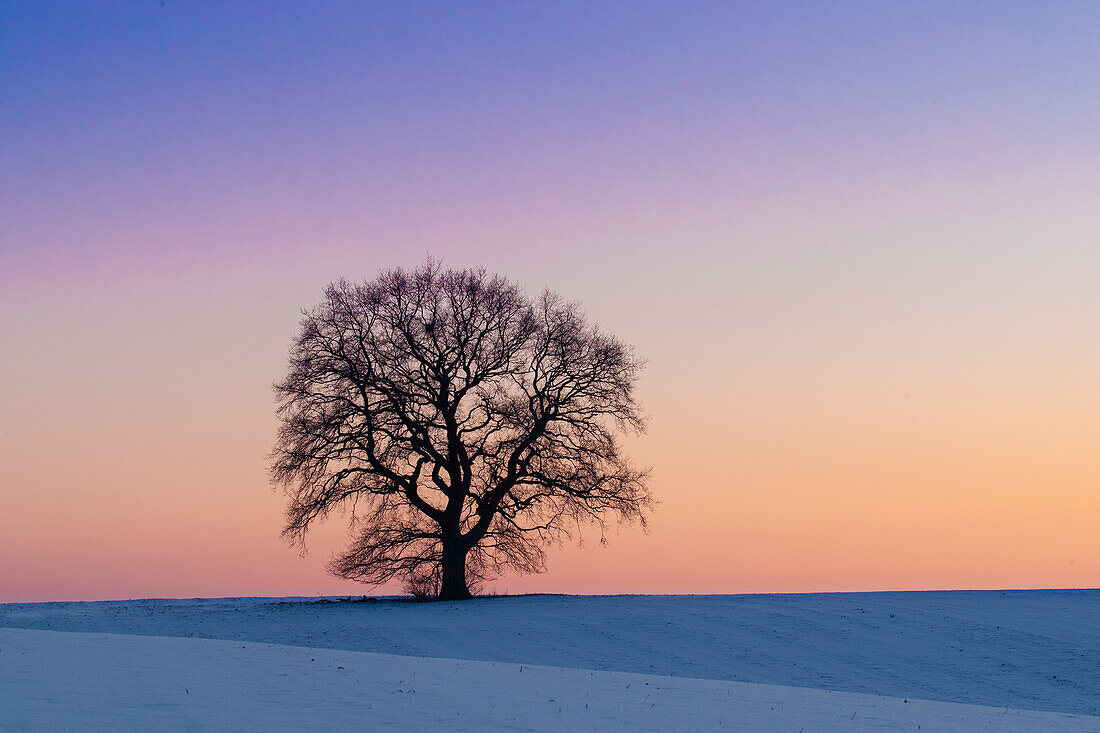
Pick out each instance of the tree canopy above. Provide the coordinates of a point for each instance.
(463, 424)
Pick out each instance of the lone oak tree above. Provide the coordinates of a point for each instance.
(462, 423)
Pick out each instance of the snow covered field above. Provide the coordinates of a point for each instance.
(878, 661)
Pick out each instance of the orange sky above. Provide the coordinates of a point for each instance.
(891, 450)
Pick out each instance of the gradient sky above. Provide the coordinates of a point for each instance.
(858, 244)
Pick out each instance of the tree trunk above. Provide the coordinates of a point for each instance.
(453, 587)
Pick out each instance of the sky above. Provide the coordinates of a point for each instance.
(857, 244)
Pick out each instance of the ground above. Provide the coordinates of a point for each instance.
(1019, 660)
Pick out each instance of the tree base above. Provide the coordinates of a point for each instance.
(454, 594)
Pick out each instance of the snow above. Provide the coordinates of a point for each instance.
(1037, 650)
(816, 659)
(73, 681)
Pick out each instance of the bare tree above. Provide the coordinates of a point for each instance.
(462, 423)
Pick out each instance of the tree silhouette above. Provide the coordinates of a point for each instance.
(463, 424)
